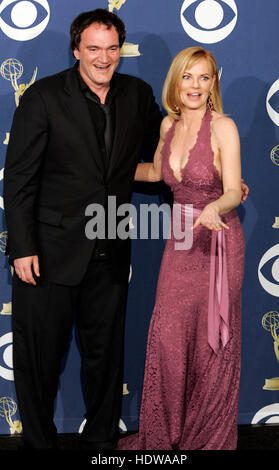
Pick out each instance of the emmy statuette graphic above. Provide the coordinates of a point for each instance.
(274, 155)
(8, 408)
(270, 322)
(128, 49)
(12, 70)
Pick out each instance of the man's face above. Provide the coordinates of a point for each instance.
(98, 55)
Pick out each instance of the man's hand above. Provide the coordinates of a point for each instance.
(245, 191)
(26, 268)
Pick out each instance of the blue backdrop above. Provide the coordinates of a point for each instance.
(244, 38)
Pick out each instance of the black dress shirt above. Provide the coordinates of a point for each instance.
(103, 119)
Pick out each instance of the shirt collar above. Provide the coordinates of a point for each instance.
(85, 88)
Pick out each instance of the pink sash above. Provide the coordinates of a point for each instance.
(218, 302)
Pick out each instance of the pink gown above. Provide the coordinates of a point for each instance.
(190, 391)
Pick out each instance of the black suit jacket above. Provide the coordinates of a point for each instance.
(54, 170)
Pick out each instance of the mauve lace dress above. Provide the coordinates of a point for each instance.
(190, 389)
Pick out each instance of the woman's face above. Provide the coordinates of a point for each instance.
(196, 84)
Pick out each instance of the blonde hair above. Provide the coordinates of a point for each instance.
(171, 91)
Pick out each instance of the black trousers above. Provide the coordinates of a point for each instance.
(42, 323)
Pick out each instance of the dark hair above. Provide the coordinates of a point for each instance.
(99, 15)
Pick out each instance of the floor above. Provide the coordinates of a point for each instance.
(250, 437)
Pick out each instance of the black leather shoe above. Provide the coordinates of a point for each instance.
(97, 446)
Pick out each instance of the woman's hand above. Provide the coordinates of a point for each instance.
(210, 219)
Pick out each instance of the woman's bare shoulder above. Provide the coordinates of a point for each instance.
(166, 124)
(222, 123)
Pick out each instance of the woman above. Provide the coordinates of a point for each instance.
(190, 391)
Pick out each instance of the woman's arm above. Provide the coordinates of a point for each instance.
(152, 172)
(227, 138)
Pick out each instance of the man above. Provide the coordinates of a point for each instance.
(76, 138)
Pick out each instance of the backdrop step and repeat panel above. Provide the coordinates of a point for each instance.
(244, 37)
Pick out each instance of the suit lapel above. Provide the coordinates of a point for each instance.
(78, 109)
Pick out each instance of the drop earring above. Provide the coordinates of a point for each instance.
(210, 104)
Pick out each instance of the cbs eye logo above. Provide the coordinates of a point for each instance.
(28, 18)
(6, 356)
(208, 19)
(271, 260)
(268, 414)
(274, 115)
